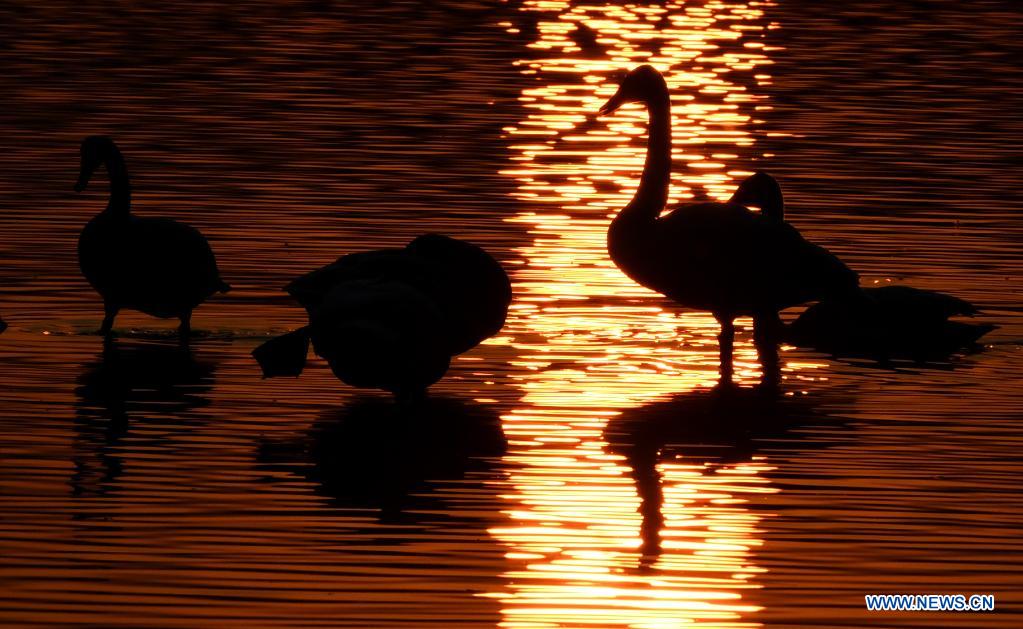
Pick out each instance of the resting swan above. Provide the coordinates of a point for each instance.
(888, 322)
(155, 265)
(720, 257)
(392, 319)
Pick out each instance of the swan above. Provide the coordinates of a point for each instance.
(719, 257)
(585, 38)
(888, 322)
(155, 265)
(392, 319)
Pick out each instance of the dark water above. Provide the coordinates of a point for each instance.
(579, 470)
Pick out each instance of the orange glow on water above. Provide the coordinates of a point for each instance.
(138, 481)
(593, 343)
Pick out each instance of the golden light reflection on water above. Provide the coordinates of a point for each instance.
(594, 343)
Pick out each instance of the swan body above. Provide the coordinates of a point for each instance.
(158, 266)
(724, 258)
(392, 319)
(720, 257)
(888, 322)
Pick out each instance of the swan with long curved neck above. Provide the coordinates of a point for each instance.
(720, 257)
(155, 265)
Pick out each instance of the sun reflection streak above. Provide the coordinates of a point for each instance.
(592, 343)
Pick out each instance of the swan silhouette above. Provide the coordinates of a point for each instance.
(586, 39)
(719, 257)
(155, 265)
(888, 322)
(392, 319)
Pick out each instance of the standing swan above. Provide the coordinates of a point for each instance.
(720, 257)
(155, 265)
(392, 319)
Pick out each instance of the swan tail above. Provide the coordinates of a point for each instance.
(970, 333)
(284, 355)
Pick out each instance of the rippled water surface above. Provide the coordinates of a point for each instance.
(580, 470)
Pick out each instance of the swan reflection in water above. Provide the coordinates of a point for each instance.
(129, 383)
(377, 455)
(720, 427)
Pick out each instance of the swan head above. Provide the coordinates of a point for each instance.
(95, 150)
(761, 190)
(635, 87)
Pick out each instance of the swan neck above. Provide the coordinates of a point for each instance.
(652, 194)
(773, 206)
(120, 185)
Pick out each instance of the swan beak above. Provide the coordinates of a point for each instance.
(612, 105)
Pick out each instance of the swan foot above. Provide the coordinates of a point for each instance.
(185, 329)
(109, 313)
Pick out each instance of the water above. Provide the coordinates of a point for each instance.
(151, 486)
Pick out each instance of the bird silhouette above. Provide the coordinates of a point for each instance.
(888, 322)
(720, 257)
(585, 38)
(158, 266)
(392, 319)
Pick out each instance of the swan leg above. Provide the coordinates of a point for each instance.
(185, 329)
(767, 328)
(725, 340)
(109, 313)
